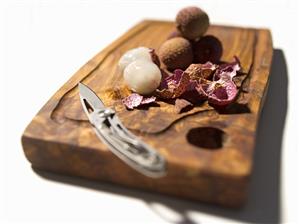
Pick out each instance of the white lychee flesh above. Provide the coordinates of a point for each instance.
(133, 55)
(142, 76)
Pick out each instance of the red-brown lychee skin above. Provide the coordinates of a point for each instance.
(176, 53)
(208, 48)
(192, 22)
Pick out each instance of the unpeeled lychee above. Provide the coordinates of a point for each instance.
(208, 48)
(192, 22)
(176, 53)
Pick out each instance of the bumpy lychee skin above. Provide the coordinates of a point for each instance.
(208, 48)
(176, 53)
(192, 22)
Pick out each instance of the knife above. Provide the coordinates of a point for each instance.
(124, 144)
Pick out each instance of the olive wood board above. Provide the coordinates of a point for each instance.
(209, 152)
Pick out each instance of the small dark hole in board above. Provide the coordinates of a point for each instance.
(206, 137)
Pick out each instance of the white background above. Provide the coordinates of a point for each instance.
(44, 42)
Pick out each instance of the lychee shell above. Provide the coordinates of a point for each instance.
(176, 53)
(192, 22)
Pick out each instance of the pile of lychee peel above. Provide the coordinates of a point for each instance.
(185, 70)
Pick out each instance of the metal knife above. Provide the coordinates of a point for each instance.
(124, 144)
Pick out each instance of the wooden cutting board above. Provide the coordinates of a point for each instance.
(209, 152)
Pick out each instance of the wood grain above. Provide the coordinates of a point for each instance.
(209, 152)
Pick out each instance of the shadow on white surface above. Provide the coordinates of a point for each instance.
(263, 205)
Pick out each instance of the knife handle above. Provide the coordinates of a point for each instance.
(133, 151)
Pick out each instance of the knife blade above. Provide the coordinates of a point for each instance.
(124, 144)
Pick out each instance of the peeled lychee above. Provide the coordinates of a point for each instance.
(192, 22)
(143, 53)
(142, 76)
(176, 53)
